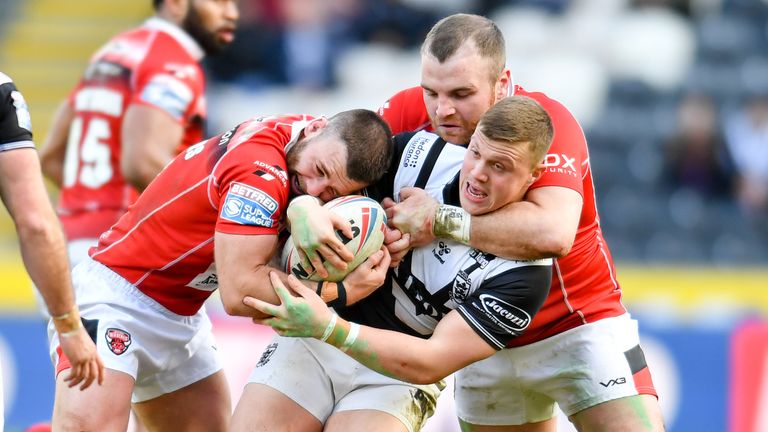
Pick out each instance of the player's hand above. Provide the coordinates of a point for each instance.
(301, 315)
(87, 365)
(398, 245)
(368, 276)
(414, 215)
(313, 230)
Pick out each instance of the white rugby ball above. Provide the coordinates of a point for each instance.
(368, 222)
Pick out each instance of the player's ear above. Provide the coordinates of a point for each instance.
(502, 84)
(315, 126)
(537, 172)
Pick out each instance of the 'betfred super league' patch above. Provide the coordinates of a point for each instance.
(247, 205)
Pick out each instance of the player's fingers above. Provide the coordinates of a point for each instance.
(261, 306)
(341, 224)
(332, 257)
(387, 203)
(100, 369)
(297, 286)
(317, 266)
(89, 375)
(75, 375)
(406, 192)
(391, 235)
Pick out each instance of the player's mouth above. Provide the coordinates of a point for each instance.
(226, 35)
(474, 194)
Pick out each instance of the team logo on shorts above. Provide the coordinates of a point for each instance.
(118, 340)
(267, 354)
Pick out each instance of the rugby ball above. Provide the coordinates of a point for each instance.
(368, 222)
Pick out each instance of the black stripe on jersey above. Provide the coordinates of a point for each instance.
(503, 307)
(429, 163)
(451, 191)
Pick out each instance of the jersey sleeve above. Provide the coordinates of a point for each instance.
(171, 85)
(567, 158)
(15, 122)
(252, 200)
(503, 307)
(405, 111)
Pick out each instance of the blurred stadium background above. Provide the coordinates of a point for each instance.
(673, 97)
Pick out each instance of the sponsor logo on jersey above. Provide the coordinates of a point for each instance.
(482, 259)
(248, 205)
(267, 354)
(507, 316)
(440, 250)
(226, 136)
(207, 280)
(560, 163)
(118, 340)
(415, 150)
(22, 111)
(169, 94)
(270, 172)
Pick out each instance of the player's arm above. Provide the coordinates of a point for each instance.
(150, 138)
(543, 225)
(242, 265)
(453, 345)
(53, 151)
(43, 251)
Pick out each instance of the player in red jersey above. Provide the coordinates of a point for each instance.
(40, 238)
(463, 74)
(142, 290)
(140, 101)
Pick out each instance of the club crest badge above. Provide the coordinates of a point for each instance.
(118, 340)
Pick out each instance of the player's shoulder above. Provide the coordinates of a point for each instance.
(556, 109)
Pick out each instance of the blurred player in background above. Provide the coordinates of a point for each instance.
(143, 288)
(583, 320)
(444, 291)
(40, 238)
(140, 102)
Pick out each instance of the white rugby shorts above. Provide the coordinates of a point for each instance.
(324, 380)
(134, 334)
(577, 369)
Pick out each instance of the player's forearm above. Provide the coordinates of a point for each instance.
(43, 251)
(234, 286)
(390, 353)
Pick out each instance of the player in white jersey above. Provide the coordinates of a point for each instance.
(473, 302)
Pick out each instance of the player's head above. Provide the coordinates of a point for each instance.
(340, 155)
(462, 73)
(505, 154)
(210, 22)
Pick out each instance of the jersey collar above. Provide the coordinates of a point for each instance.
(183, 38)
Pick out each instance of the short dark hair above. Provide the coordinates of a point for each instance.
(451, 32)
(156, 4)
(369, 143)
(519, 119)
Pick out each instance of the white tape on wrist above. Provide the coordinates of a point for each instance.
(330, 327)
(452, 222)
(354, 330)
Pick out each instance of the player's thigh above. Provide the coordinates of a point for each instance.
(202, 406)
(544, 426)
(364, 420)
(264, 409)
(103, 407)
(631, 414)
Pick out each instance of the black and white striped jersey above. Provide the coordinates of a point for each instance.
(15, 124)
(497, 297)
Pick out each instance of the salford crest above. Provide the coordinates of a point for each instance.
(118, 340)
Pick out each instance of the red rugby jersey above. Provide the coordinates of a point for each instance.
(155, 65)
(235, 183)
(584, 286)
